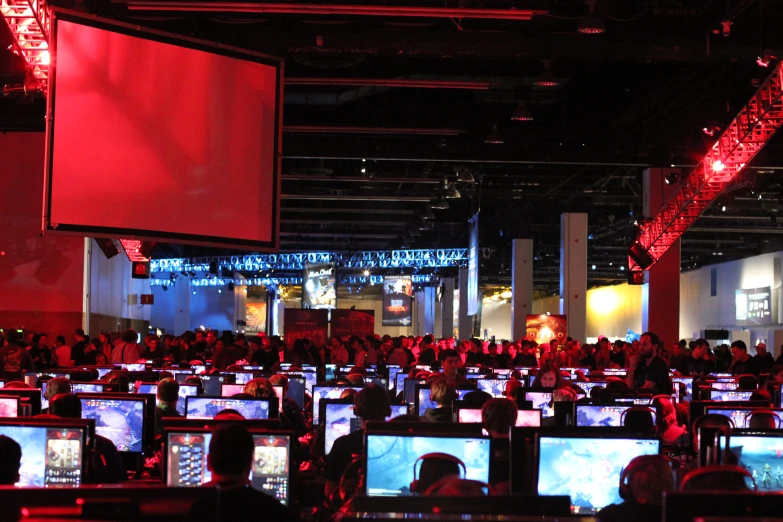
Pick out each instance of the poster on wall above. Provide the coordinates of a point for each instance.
(473, 262)
(256, 316)
(753, 306)
(310, 324)
(319, 286)
(397, 301)
(346, 323)
(544, 328)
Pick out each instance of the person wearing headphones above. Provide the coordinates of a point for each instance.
(434, 467)
(642, 485)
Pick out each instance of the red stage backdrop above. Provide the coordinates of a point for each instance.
(312, 324)
(544, 328)
(346, 323)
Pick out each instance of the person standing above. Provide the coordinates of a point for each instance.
(79, 347)
(62, 353)
(742, 363)
(648, 370)
(763, 359)
(14, 358)
(127, 351)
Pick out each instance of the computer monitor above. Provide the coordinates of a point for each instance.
(326, 392)
(409, 389)
(311, 379)
(133, 367)
(185, 460)
(723, 395)
(728, 385)
(296, 389)
(54, 451)
(494, 387)
(185, 390)
(424, 398)
(688, 381)
(541, 400)
(329, 370)
(760, 454)
(586, 467)
(122, 418)
(103, 371)
(740, 416)
(601, 415)
(573, 370)
(399, 382)
(505, 373)
(392, 371)
(240, 377)
(212, 383)
(208, 407)
(525, 418)
(229, 390)
(524, 370)
(10, 406)
(617, 372)
(2, 383)
(588, 386)
(714, 374)
(77, 387)
(391, 459)
(377, 381)
(339, 419)
(198, 369)
(29, 398)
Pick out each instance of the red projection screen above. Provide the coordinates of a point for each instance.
(161, 137)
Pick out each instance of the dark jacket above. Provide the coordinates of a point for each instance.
(437, 415)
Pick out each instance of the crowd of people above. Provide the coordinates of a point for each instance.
(442, 364)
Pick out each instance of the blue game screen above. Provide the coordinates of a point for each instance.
(119, 420)
(340, 421)
(763, 457)
(494, 387)
(326, 392)
(185, 390)
(600, 416)
(208, 407)
(425, 401)
(542, 401)
(730, 395)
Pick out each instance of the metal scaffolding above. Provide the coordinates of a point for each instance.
(28, 21)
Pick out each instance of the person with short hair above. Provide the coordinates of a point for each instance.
(741, 362)
(763, 358)
(10, 461)
(443, 392)
(127, 351)
(451, 361)
(699, 362)
(498, 415)
(168, 394)
(650, 477)
(648, 370)
(14, 358)
(56, 386)
(79, 349)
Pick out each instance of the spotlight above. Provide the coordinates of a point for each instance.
(440, 203)
(765, 58)
(718, 166)
(640, 255)
(593, 267)
(465, 176)
(671, 178)
(547, 78)
(220, 290)
(723, 208)
(494, 137)
(711, 130)
(366, 273)
(591, 24)
(522, 113)
(194, 292)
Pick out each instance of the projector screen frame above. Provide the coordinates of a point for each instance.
(273, 245)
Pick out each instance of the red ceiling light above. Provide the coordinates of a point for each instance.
(494, 137)
(547, 78)
(28, 21)
(522, 113)
(137, 250)
(591, 24)
(765, 58)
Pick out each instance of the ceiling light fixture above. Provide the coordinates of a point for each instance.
(428, 215)
(451, 190)
(547, 78)
(522, 113)
(494, 137)
(591, 24)
(465, 176)
(440, 203)
(765, 58)
(671, 178)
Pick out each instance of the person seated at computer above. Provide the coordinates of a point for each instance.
(498, 416)
(10, 461)
(512, 388)
(645, 480)
(669, 428)
(195, 381)
(433, 468)
(168, 393)
(230, 460)
(371, 404)
(451, 361)
(548, 377)
(56, 386)
(107, 466)
(443, 392)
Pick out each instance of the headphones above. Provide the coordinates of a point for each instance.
(434, 456)
(773, 414)
(643, 460)
(637, 408)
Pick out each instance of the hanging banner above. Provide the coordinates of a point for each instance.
(753, 306)
(543, 328)
(319, 286)
(473, 266)
(255, 316)
(346, 323)
(302, 323)
(397, 301)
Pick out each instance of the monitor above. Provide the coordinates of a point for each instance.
(185, 460)
(241, 377)
(133, 367)
(340, 420)
(311, 379)
(119, 419)
(409, 389)
(761, 455)
(29, 397)
(617, 372)
(326, 392)
(297, 385)
(199, 368)
(730, 395)
(503, 372)
(399, 382)
(212, 383)
(586, 387)
(377, 381)
(726, 385)
(601, 415)
(424, 398)
(102, 372)
(391, 459)
(525, 418)
(494, 387)
(9, 406)
(524, 370)
(53, 450)
(77, 387)
(2, 383)
(329, 371)
(185, 390)
(739, 416)
(541, 400)
(208, 407)
(573, 370)
(587, 468)
(393, 370)
(229, 390)
(688, 381)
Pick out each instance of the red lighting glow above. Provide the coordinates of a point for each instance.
(718, 166)
(28, 21)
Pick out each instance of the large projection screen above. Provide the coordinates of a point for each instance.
(157, 136)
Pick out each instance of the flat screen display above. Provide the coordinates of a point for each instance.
(311, 379)
(390, 460)
(753, 306)
(185, 390)
(588, 386)
(77, 387)
(730, 395)
(51, 456)
(394, 370)
(724, 385)
(494, 387)
(601, 416)
(229, 390)
(186, 462)
(212, 383)
(688, 382)
(9, 406)
(326, 392)
(525, 418)
(340, 420)
(425, 399)
(473, 265)
(542, 401)
(119, 420)
(763, 457)
(587, 469)
(397, 299)
(158, 142)
(740, 416)
(208, 407)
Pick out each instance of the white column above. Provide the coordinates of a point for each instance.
(573, 273)
(465, 323)
(521, 286)
(447, 307)
(419, 308)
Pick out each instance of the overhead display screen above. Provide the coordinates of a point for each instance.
(156, 136)
(753, 306)
(397, 301)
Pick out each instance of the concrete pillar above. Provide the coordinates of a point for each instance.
(573, 273)
(661, 292)
(465, 322)
(182, 293)
(425, 311)
(521, 286)
(447, 308)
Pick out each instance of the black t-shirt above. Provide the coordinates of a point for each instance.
(764, 362)
(525, 359)
(427, 356)
(618, 358)
(77, 353)
(629, 510)
(343, 450)
(747, 366)
(657, 371)
(240, 504)
(588, 362)
(697, 367)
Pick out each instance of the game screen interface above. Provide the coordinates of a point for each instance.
(211, 383)
(229, 390)
(185, 390)
(119, 420)
(311, 379)
(542, 401)
(340, 421)
(688, 381)
(394, 370)
(494, 387)
(425, 400)
(77, 387)
(587, 386)
(50, 456)
(738, 416)
(9, 407)
(724, 396)
(587, 469)
(725, 385)
(187, 462)
(598, 416)
(103, 371)
(763, 457)
(525, 418)
(409, 388)
(326, 392)
(208, 407)
(133, 367)
(390, 460)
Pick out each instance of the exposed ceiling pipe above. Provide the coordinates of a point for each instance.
(391, 82)
(349, 210)
(355, 179)
(345, 10)
(337, 234)
(330, 197)
(407, 131)
(345, 222)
